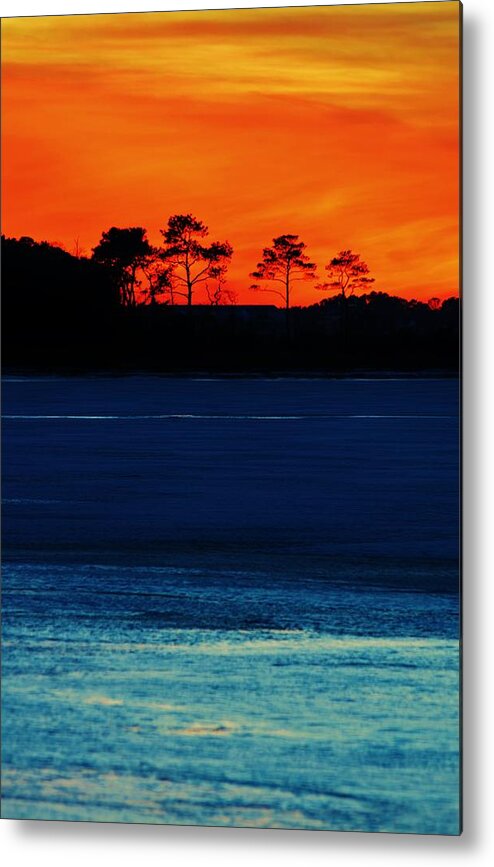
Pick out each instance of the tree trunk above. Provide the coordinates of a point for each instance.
(189, 281)
(287, 306)
(132, 285)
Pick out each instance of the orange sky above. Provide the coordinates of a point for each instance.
(339, 124)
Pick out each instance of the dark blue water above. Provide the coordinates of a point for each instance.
(232, 602)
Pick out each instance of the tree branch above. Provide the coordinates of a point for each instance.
(263, 289)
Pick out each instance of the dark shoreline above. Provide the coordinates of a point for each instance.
(64, 316)
(118, 373)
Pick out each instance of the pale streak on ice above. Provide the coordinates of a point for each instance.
(173, 416)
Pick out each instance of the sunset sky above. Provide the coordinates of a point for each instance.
(339, 124)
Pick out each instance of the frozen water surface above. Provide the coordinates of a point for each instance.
(232, 602)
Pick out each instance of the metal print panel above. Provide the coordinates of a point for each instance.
(230, 282)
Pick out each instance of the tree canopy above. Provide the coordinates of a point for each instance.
(347, 274)
(284, 262)
(124, 251)
(191, 260)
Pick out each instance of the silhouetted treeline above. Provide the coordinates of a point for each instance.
(65, 313)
